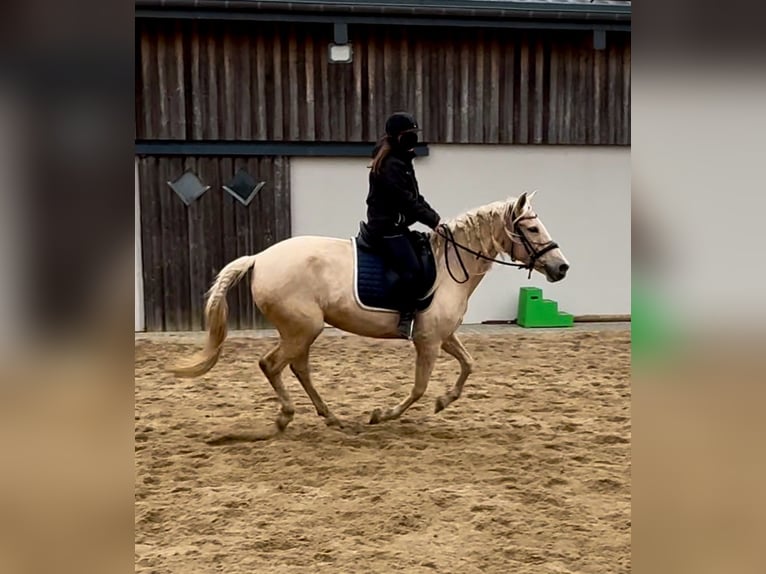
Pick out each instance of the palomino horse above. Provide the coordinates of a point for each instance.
(302, 282)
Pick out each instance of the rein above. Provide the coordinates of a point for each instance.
(533, 253)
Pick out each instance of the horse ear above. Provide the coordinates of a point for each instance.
(520, 205)
(530, 196)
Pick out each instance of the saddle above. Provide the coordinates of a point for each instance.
(376, 283)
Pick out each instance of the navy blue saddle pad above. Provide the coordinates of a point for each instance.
(374, 280)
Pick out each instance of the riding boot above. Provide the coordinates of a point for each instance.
(406, 325)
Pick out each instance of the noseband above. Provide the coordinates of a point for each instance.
(534, 254)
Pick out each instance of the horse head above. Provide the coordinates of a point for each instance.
(531, 244)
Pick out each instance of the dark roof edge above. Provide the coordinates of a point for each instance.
(447, 9)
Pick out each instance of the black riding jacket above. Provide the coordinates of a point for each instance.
(394, 201)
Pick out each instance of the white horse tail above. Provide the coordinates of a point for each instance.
(216, 314)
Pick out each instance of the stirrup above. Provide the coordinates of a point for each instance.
(406, 326)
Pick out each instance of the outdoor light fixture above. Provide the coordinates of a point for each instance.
(340, 50)
(340, 53)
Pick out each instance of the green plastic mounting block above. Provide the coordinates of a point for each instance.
(534, 311)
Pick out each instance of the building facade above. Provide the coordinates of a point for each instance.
(255, 120)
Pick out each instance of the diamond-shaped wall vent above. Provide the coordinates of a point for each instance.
(243, 187)
(188, 187)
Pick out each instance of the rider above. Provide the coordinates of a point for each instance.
(393, 204)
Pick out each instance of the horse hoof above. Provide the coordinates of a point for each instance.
(441, 404)
(331, 421)
(283, 421)
(376, 416)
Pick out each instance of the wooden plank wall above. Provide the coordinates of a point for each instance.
(184, 247)
(272, 81)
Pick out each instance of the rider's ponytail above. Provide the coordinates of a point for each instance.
(384, 148)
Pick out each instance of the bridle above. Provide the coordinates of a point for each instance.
(534, 254)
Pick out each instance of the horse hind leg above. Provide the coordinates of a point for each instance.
(272, 364)
(298, 330)
(300, 368)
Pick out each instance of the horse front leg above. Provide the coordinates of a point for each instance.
(454, 347)
(426, 358)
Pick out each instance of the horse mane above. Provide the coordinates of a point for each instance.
(481, 228)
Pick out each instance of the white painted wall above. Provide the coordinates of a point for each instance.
(583, 199)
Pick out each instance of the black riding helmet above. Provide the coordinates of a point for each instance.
(400, 122)
(401, 128)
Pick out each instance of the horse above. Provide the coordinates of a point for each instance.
(303, 282)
